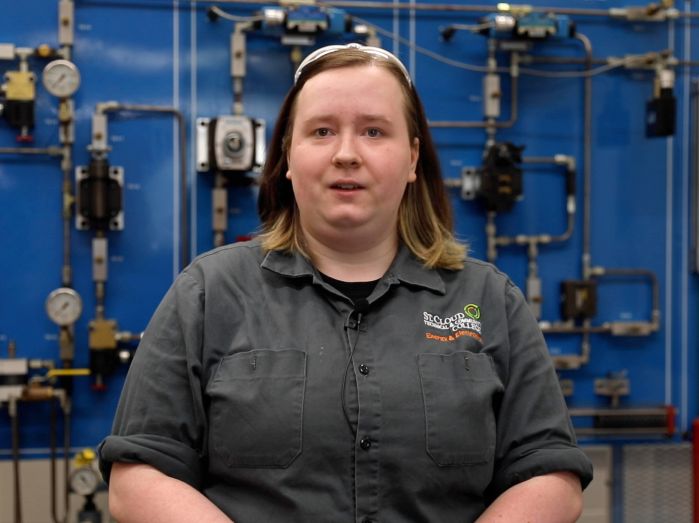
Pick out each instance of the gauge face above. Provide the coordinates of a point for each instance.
(84, 481)
(64, 306)
(61, 78)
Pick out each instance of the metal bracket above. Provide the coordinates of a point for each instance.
(470, 183)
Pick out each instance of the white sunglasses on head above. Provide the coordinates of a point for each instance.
(376, 52)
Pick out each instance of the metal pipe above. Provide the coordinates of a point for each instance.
(68, 201)
(605, 271)
(65, 154)
(49, 151)
(116, 107)
(564, 328)
(66, 27)
(14, 414)
(490, 234)
(663, 420)
(52, 455)
(523, 239)
(655, 286)
(585, 344)
(620, 412)
(421, 7)
(570, 210)
(695, 468)
(99, 300)
(219, 197)
(695, 172)
(440, 7)
(514, 109)
(61, 397)
(621, 431)
(531, 59)
(587, 158)
(561, 60)
(67, 136)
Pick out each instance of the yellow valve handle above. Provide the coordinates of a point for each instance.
(85, 457)
(56, 373)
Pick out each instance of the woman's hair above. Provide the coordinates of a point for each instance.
(424, 216)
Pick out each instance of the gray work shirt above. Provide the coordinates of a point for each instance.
(450, 396)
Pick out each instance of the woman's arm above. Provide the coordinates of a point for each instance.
(141, 494)
(551, 498)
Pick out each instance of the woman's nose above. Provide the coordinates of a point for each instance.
(346, 154)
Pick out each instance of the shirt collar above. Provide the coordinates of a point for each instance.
(404, 269)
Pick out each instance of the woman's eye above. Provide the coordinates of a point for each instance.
(322, 132)
(373, 132)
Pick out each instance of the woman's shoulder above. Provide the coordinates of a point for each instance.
(240, 255)
(475, 267)
(483, 277)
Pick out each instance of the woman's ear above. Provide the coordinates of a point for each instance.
(414, 156)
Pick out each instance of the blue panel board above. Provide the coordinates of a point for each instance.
(171, 54)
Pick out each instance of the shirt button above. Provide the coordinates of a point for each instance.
(365, 443)
(364, 369)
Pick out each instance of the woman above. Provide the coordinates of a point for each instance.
(350, 364)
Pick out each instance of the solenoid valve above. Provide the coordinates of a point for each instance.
(661, 110)
(19, 96)
(518, 24)
(500, 177)
(109, 348)
(99, 196)
(306, 19)
(230, 144)
(533, 26)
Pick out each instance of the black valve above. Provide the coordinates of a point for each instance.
(660, 114)
(578, 299)
(19, 113)
(100, 199)
(501, 177)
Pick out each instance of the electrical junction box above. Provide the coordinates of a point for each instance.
(578, 299)
(660, 115)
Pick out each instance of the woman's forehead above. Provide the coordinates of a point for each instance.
(346, 86)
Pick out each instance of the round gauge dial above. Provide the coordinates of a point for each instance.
(61, 78)
(84, 481)
(64, 306)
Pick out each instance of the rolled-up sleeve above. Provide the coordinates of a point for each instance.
(534, 434)
(160, 420)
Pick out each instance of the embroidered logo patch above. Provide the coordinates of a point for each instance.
(473, 311)
(454, 326)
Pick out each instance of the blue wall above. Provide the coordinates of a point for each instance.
(171, 54)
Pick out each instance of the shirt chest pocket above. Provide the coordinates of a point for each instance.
(459, 391)
(256, 409)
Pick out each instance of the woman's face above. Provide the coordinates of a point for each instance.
(351, 156)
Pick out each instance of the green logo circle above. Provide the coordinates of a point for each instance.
(472, 311)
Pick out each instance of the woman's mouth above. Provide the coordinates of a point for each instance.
(346, 186)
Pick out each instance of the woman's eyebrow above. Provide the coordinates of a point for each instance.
(362, 118)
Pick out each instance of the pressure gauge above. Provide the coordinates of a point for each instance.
(84, 481)
(61, 78)
(64, 306)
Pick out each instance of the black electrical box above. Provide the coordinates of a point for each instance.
(501, 177)
(578, 299)
(660, 114)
